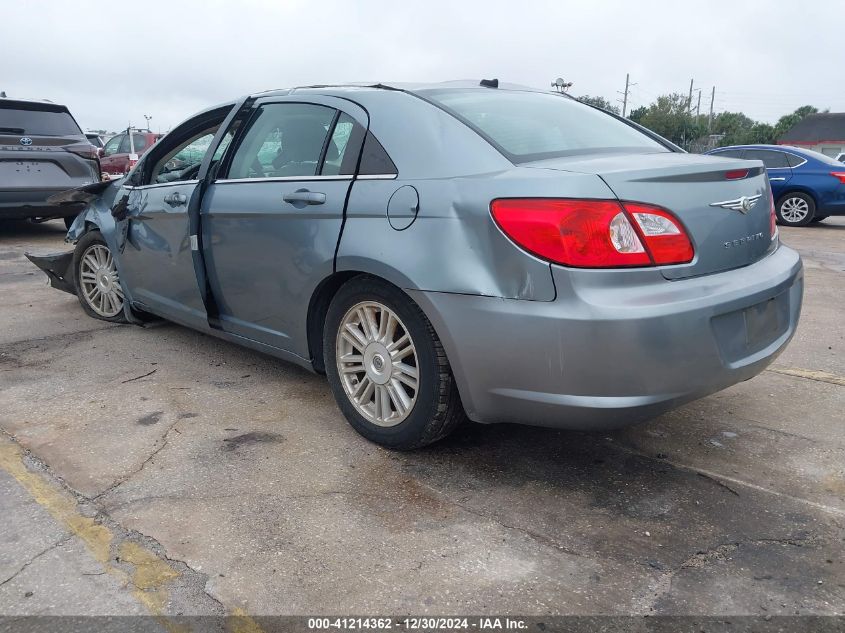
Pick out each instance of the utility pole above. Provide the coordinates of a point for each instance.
(698, 107)
(628, 85)
(689, 101)
(710, 119)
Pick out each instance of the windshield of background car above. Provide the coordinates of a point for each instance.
(528, 126)
(37, 122)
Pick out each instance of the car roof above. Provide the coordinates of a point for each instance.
(412, 87)
(789, 148)
(33, 104)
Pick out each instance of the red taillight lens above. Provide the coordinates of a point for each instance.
(736, 174)
(839, 174)
(86, 150)
(594, 233)
(773, 218)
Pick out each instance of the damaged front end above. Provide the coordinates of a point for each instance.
(59, 266)
(59, 269)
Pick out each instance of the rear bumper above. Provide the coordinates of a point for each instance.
(615, 347)
(32, 203)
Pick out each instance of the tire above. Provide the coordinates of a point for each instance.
(795, 209)
(435, 408)
(94, 276)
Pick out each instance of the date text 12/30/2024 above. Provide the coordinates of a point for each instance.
(418, 624)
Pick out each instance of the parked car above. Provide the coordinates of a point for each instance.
(119, 155)
(808, 186)
(42, 152)
(449, 249)
(95, 139)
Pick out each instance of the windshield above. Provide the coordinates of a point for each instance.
(527, 126)
(37, 122)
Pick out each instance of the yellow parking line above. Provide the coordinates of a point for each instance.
(809, 374)
(151, 576)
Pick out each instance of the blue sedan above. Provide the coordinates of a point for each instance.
(807, 186)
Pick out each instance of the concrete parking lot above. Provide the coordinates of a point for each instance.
(158, 470)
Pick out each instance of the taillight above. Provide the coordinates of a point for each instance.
(773, 218)
(839, 174)
(86, 150)
(736, 174)
(594, 233)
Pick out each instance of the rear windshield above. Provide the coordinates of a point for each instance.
(37, 122)
(527, 126)
(824, 158)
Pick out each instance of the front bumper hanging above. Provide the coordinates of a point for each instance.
(59, 269)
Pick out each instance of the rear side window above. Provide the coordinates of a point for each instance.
(36, 121)
(374, 159)
(794, 161)
(526, 126)
(729, 153)
(770, 158)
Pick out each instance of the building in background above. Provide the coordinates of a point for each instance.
(823, 132)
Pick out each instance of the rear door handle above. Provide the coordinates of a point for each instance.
(175, 199)
(301, 197)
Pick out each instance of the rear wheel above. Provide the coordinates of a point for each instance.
(387, 368)
(796, 209)
(97, 280)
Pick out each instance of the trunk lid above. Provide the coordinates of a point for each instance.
(692, 187)
(42, 163)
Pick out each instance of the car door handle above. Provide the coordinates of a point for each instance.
(304, 196)
(778, 178)
(175, 199)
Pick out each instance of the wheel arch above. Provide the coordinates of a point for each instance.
(318, 306)
(799, 189)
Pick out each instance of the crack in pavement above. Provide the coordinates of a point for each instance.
(809, 374)
(721, 478)
(160, 445)
(58, 543)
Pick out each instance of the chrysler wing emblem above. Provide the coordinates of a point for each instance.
(26, 141)
(743, 204)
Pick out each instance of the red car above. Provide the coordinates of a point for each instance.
(118, 156)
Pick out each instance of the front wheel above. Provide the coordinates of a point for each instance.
(796, 209)
(387, 367)
(96, 278)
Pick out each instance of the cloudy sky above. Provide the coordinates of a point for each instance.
(112, 63)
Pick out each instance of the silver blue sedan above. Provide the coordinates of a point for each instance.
(450, 251)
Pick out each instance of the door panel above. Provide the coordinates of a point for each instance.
(270, 227)
(264, 255)
(158, 269)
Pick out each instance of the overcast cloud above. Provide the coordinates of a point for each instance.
(112, 63)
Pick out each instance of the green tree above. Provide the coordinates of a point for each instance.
(638, 114)
(669, 116)
(787, 121)
(599, 102)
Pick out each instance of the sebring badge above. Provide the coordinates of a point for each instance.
(743, 204)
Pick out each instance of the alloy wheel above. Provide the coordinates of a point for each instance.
(794, 209)
(377, 363)
(100, 282)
